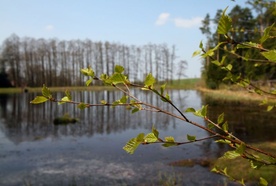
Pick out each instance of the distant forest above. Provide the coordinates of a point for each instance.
(32, 62)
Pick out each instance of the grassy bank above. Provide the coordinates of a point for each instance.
(175, 84)
(239, 96)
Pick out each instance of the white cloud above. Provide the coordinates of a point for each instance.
(49, 27)
(162, 19)
(187, 23)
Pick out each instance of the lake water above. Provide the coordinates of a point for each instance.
(33, 151)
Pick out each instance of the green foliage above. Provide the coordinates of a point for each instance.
(225, 23)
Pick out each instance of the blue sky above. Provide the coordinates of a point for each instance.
(138, 22)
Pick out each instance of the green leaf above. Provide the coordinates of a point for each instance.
(82, 106)
(162, 88)
(191, 138)
(39, 99)
(270, 107)
(46, 91)
(224, 24)
(88, 72)
(117, 78)
(263, 182)
(88, 82)
(210, 125)
(266, 33)
(103, 102)
(133, 143)
(223, 141)
(149, 81)
(135, 110)
(190, 110)
(123, 99)
(241, 148)
(270, 55)
(225, 127)
(256, 164)
(220, 118)
(231, 155)
(248, 45)
(201, 45)
(169, 139)
(64, 100)
(201, 112)
(150, 138)
(119, 69)
(155, 132)
(169, 144)
(68, 95)
(196, 53)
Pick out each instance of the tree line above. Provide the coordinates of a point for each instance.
(33, 62)
(248, 25)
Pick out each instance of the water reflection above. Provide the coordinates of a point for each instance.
(35, 151)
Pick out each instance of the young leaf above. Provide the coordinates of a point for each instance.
(190, 110)
(225, 127)
(241, 148)
(224, 24)
(266, 33)
(270, 55)
(82, 106)
(133, 143)
(191, 138)
(68, 95)
(155, 132)
(231, 155)
(88, 82)
(162, 88)
(149, 81)
(103, 102)
(150, 138)
(169, 139)
(39, 99)
(263, 182)
(124, 99)
(117, 78)
(64, 100)
(46, 91)
(119, 69)
(220, 118)
(88, 72)
(135, 110)
(270, 107)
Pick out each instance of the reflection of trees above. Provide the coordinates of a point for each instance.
(248, 121)
(24, 121)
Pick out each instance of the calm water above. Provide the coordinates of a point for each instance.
(36, 152)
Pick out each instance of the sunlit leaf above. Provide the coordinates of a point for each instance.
(64, 100)
(270, 55)
(68, 95)
(162, 88)
(223, 141)
(119, 69)
(256, 164)
(263, 182)
(133, 143)
(88, 82)
(124, 99)
(150, 138)
(241, 148)
(231, 155)
(39, 99)
(270, 107)
(191, 138)
(225, 23)
(169, 139)
(88, 72)
(190, 110)
(265, 36)
(117, 78)
(196, 53)
(103, 102)
(46, 91)
(149, 81)
(220, 118)
(155, 132)
(225, 127)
